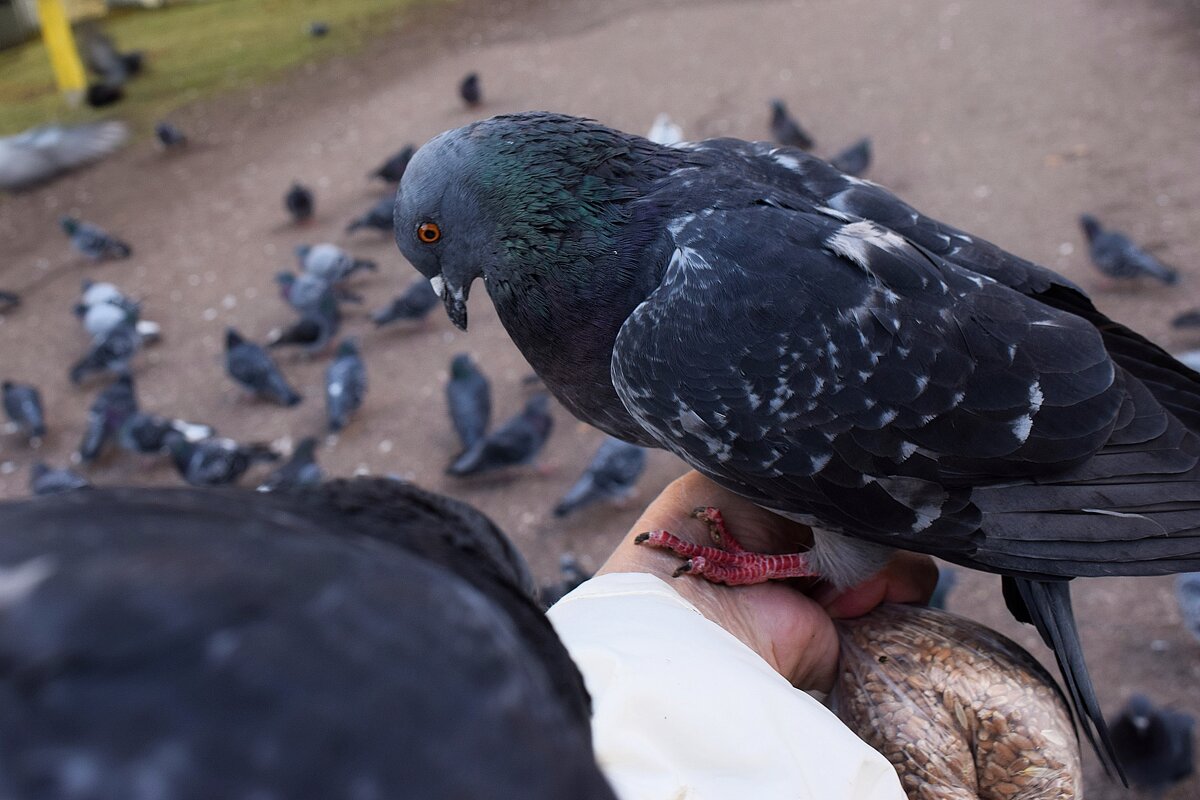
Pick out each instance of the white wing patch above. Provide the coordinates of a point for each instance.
(852, 239)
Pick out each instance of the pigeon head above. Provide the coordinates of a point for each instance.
(778, 109)
(1091, 226)
(461, 367)
(69, 224)
(285, 279)
(1140, 712)
(232, 338)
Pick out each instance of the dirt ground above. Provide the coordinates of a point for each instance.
(1007, 119)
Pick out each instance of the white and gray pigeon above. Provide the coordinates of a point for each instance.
(255, 371)
(147, 433)
(345, 384)
(413, 305)
(40, 154)
(612, 475)
(515, 443)
(469, 401)
(331, 263)
(298, 472)
(378, 217)
(44, 479)
(1154, 745)
(811, 342)
(855, 159)
(109, 353)
(23, 405)
(1116, 256)
(216, 461)
(320, 315)
(93, 241)
(116, 403)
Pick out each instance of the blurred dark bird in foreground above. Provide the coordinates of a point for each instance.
(947, 580)
(392, 170)
(299, 203)
(855, 159)
(413, 305)
(470, 90)
(116, 403)
(215, 462)
(100, 95)
(515, 443)
(345, 384)
(93, 241)
(253, 369)
(169, 137)
(378, 216)
(147, 434)
(39, 154)
(612, 475)
(110, 353)
(469, 400)
(787, 131)
(1187, 593)
(300, 471)
(9, 301)
(1116, 256)
(571, 575)
(318, 29)
(331, 263)
(1188, 319)
(44, 479)
(230, 644)
(23, 405)
(1153, 745)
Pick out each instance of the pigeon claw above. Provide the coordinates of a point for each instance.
(729, 563)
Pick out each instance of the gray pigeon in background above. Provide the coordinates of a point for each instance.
(254, 370)
(1188, 319)
(331, 263)
(612, 475)
(39, 154)
(1187, 593)
(412, 306)
(9, 301)
(169, 136)
(300, 471)
(23, 405)
(816, 345)
(147, 434)
(345, 384)
(470, 90)
(785, 130)
(215, 462)
(116, 403)
(469, 400)
(1154, 745)
(855, 159)
(378, 217)
(1116, 256)
(44, 479)
(110, 353)
(392, 170)
(94, 242)
(571, 576)
(299, 202)
(307, 292)
(515, 443)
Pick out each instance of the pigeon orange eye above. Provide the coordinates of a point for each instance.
(429, 232)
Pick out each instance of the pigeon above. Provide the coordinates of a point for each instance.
(571, 576)
(116, 403)
(318, 29)
(252, 368)
(311, 333)
(147, 433)
(811, 342)
(1116, 256)
(299, 203)
(469, 399)
(40, 154)
(169, 137)
(44, 479)
(785, 130)
(23, 405)
(108, 354)
(9, 301)
(664, 131)
(331, 263)
(1188, 319)
(93, 242)
(320, 317)
(216, 461)
(307, 292)
(515, 443)
(1153, 745)
(470, 91)
(101, 95)
(300, 471)
(612, 475)
(103, 59)
(345, 384)
(855, 159)
(392, 170)
(412, 306)
(947, 580)
(1187, 592)
(94, 293)
(232, 644)
(378, 216)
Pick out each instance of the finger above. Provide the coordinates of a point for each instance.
(908, 578)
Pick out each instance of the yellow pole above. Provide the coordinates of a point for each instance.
(60, 44)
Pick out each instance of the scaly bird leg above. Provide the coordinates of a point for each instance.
(728, 562)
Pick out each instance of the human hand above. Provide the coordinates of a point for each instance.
(788, 623)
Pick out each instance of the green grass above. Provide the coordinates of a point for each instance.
(193, 50)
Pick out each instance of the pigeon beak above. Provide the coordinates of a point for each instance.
(455, 301)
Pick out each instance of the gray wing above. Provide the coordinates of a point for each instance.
(41, 153)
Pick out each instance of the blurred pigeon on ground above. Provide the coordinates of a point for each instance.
(253, 369)
(110, 353)
(44, 479)
(855, 159)
(299, 203)
(93, 293)
(345, 384)
(1116, 256)
(571, 576)
(147, 433)
(331, 263)
(318, 29)
(215, 462)
(1188, 319)
(300, 471)
(23, 405)
(169, 136)
(664, 131)
(378, 216)
(612, 475)
(1153, 745)
(412, 306)
(1187, 592)
(101, 95)
(307, 293)
(469, 400)
(470, 90)
(103, 59)
(94, 242)
(392, 170)
(312, 332)
(116, 403)
(9, 301)
(515, 443)
(947, 580)
(39, 154)
(787, 131)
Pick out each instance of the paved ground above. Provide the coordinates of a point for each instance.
(1007, 119)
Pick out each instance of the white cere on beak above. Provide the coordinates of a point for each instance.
(439, 284)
